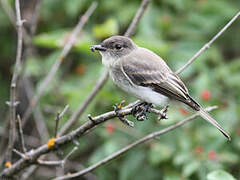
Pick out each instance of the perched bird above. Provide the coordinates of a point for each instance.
(145, 75)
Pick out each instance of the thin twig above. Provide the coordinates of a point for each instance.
(59, 115)
(19, 153)
(37, 114)
(130, 146)
(13, 98)
(136, 19)
(58, 62)
(57, 163)
(206, 46)
(103, 79)
(20, 134)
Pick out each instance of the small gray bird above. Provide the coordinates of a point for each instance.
(145, 75)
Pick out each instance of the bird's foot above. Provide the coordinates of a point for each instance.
(163, 113)
(140, 110)
(117, 108)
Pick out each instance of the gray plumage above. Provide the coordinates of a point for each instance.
(145, 75)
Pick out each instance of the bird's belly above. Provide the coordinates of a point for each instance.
(145, 94)
(148, 95)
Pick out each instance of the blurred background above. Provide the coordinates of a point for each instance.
(175, 30)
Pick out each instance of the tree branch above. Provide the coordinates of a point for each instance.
(132, 145)
(137, 18)
(58, 62)
(59, 115)
(13, 103)
(20, 134)
(33, 155)
(207, 45)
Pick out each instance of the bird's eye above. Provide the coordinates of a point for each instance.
(118, 46)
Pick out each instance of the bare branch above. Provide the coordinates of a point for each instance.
(33, 155)
(58, 62)
(19, 153)
(12, 130)
(20, 134)
(132, 145)
(137, 18)
(59, 115)
(103, 79)
(37, 114)
(206, 46)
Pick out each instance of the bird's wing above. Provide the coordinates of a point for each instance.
(145, 68)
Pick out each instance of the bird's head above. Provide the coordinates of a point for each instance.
(115, 47)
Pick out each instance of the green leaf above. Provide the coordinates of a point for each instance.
(58, 38)
(108, 28)
(190, 168)
(160, 153)
(220, 175)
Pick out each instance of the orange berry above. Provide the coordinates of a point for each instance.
(8, 164)
(51, 142)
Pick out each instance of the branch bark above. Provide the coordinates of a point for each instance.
(13, 103)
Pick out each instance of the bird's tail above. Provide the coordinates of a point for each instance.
(205, 115)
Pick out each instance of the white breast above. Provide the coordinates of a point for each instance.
(148, 95)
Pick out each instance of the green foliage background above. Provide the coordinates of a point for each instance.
(175, 30)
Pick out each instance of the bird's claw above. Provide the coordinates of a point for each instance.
(163, 113)
(140, 110)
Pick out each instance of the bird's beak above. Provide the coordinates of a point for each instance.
(98, 47)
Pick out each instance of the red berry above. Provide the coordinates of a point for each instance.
(212, 155)
(199, 150)
(80, 69)
(206, 95)
(238, 131)
(110, 127)
(183, 111)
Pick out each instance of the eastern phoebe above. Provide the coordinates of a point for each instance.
(145, 75)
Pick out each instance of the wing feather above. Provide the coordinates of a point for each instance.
(145, 68)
